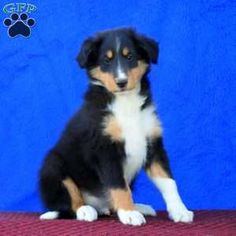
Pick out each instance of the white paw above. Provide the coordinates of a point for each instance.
(145, 209)
(131, 217)
(50, 215)
(180, 213)
(86, 213)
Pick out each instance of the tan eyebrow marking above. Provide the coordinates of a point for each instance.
(109, 54)
(125, 51)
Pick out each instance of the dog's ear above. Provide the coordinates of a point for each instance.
(88, 52)
(147, 48)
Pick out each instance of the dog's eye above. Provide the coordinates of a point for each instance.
(129, 57)
(107, 60)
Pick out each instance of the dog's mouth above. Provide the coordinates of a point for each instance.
(122, 89)
(125, 90)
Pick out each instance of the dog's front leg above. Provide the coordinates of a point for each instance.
(111, 174)
(158, 169)
(122, 203)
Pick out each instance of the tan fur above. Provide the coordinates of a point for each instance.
(122, 199)
(75, 194)
(112, 128)
(156, 170)
(156, 131)
(125, 51)
(109, 54)
(107, 79)
(135, 74)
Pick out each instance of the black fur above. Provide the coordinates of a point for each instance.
(156, 153)
(83, 153)
(147, 48)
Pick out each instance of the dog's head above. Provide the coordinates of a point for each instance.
(118, 59)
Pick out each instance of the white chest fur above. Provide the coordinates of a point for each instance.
(136, 125)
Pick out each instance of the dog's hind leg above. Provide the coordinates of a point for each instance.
(83, 212)
(60, 193)
(56, 189)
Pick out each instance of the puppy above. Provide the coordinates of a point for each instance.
(115, 133)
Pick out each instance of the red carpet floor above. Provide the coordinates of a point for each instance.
(206, 223)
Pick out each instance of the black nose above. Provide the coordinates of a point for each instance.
(122, 84)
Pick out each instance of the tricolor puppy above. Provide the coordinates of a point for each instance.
(114, 134)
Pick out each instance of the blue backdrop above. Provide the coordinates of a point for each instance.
(194, 87)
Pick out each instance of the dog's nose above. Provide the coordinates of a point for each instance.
(122, 83)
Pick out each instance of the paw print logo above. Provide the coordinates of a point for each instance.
(19, 25)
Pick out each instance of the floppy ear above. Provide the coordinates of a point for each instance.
(148, 48)
(88, 52)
